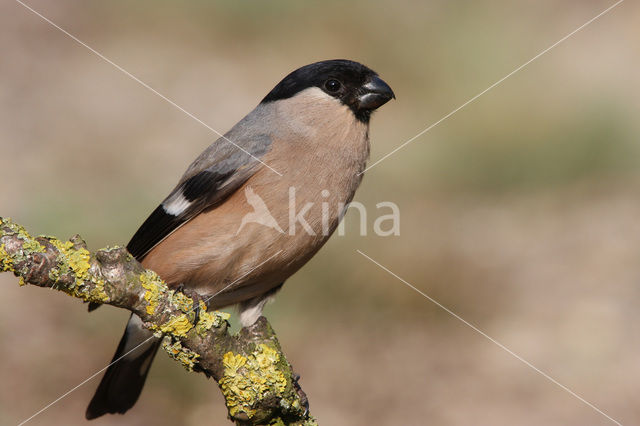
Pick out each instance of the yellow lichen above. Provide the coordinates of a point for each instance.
(248, 379)
(14, 227)
(77, 261)
(6, 263)
(29, 246)
(63, 247)
(180, 301)
(206, 320)
(32, 246)
(232, 362)
(151, 282)
(177, 326)
(185, 356)
(70, 260)
(98, 294)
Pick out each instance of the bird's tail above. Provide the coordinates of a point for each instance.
(122, 383)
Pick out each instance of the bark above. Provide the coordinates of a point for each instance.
(257, 382)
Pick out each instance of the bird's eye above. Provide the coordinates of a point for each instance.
(332, 85)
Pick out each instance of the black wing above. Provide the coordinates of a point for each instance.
(199, 190)
(162, 222)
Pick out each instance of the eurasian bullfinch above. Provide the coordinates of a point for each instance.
(308, 137)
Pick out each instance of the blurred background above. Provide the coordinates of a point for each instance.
(520, 213)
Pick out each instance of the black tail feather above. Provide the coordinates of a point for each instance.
(124, 379)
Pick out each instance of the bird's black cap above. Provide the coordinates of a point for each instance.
(354, 84)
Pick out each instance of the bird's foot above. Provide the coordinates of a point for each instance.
(303, 396)
(196, 302)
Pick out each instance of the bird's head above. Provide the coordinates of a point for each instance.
(352, 83)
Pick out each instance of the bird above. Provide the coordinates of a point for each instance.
(308, 137)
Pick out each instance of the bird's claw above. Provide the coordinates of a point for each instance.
(303, 396)
(196, 302)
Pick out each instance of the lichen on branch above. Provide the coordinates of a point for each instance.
(253, 374)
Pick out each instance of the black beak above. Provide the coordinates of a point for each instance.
(375, 93)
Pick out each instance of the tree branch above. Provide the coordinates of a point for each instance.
(257, 382)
